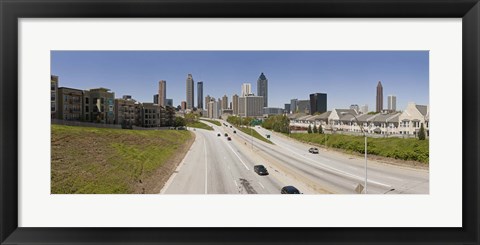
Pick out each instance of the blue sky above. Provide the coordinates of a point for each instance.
(348, 77)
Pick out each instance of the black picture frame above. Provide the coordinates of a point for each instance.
(11, 11)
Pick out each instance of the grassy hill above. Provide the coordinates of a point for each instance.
(397, 148)
(98, 160)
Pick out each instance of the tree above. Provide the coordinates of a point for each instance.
(320, 130)
(421, 133)
(315, 129)
(309, 129)
(179, 122)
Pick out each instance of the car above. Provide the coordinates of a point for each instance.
(230, 126)
(260, 170)
(290, 190)
(218, 134)
(234, 131)
(229, 138)
(226, 135)
(313, 150)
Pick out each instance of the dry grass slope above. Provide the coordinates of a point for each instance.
(97, 160)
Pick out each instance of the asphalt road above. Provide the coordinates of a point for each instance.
(214, 165)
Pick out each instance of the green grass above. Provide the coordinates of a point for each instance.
(98, 160)
(255, 134)
(213, 122)
(398, 148)
(199, 124)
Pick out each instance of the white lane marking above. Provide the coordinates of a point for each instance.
(238, 156)
(338, 170)
(172, 177)
(234, 181)
(206, 172)
(261, 185)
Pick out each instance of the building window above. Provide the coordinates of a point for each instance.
(53, 106)
(86, 109)
(86, 100)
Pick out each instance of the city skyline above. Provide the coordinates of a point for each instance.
(348, 77)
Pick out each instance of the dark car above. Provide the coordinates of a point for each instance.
(229, 138)
(230, 126)
(313, 150)
(290, 190)
(226, 135)
(234, 131)
(260, 170)
(218, 134)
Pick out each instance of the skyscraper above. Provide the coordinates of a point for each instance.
(224, 102)
(200, 94)
(235, 104)
(379, 97)
(293, 105)
(190, 92)
(250, 106)
(162, 92)
(207, 100)
(246, 89)
(287, 108)
(318, 103)
(392, 103)
(262, 89)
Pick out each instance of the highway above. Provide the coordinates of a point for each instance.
(217, 166)
(214, 165)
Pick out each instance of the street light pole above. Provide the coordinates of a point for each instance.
(365, 135)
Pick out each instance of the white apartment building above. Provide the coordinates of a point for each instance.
(404, 124)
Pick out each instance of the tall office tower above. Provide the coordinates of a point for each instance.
(250, 106)
(200, 95)
(224, 102)
(169, 102)
(246, 89)
(392, 103)
(318, 103)
(235, 104)
(293, 105)
(303, 106)
(209, 104)
(262, 89)
(162, 93)
(219, 108)
(207, 100)
(155, 99)
(184, 105)
(287, 108)
(190, 92)
(379, 97)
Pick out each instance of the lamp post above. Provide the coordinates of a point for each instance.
(365, 135)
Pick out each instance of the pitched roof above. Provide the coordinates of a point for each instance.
(422, 109)
(323, 116)
(386, 117)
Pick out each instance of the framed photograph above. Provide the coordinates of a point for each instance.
(186, 122)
